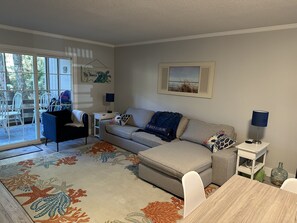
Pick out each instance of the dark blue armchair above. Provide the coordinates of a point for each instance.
(55, 128)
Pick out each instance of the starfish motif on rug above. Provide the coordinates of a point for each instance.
(35, 194)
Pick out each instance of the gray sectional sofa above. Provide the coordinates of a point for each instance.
(164, 163)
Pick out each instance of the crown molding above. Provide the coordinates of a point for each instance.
(12, 28)
(191, 37)
(216, 34)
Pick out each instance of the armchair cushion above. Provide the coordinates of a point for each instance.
(64, 116)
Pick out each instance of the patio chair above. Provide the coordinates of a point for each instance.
(44, 102)
(4, 115)
(16, 108)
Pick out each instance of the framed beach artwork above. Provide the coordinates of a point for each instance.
(186, 79)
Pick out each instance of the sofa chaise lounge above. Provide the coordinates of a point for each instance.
(164, 163)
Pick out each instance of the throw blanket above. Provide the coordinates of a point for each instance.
(77, 118)
(164, 125)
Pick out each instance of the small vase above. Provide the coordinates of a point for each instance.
(278, 175)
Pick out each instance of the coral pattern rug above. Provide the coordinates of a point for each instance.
(96, 183)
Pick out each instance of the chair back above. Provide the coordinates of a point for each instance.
(290, 185)
(45, 100)
(17, 102)
(194, 193)
(4, 115)
(3, 109)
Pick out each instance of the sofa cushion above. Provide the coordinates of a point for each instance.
(177, 158)
(140, 117)
(218, 142)
(147, 139)
(120, 119)
(181, 126)
(198, 131)
(125, 118)
(121, 131)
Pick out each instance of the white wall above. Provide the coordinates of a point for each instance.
(253, 71)
(87, 96)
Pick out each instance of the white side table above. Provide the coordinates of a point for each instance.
(251, 152)
(98, 116)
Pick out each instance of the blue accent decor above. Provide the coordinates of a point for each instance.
(109, 97)
(51, 205)
(260, 118)
(107, 155)
(164, 125)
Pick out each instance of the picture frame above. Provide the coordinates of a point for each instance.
(95, 75)
(95, 72)
(186, 79)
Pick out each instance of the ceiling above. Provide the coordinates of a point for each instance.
(119, 22)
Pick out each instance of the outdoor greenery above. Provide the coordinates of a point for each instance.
(16, 75)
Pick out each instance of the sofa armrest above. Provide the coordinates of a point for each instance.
(223, 165)
(50, 126)
(102, 130)
(85, 120)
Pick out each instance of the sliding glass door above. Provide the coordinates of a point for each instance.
(29, 86)
(16, 96)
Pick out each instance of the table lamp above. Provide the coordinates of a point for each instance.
(109, 97)
(259, 119)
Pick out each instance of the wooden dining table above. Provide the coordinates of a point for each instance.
(244, 200)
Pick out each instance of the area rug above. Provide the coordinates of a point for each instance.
(96, 183)
(18, 152)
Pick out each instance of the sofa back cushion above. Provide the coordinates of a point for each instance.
(181, 126)
(139, 117)
(198, 131)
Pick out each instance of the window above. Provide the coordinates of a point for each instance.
(24, 80)
(56, 78)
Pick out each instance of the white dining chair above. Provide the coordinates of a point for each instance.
(290, 185)
(44, 103)
(16, 108)
(194, 193)
(4, 115)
